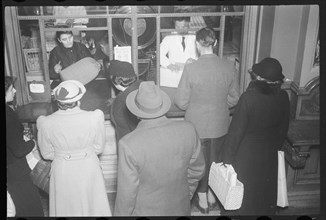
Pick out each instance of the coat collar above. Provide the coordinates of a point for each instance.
(69, 111)
(149, 123)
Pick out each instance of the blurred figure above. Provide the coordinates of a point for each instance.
(66, 53)
(206, 88)
(70, 11)
(72, 138)
(23, 192)
(124, 79)
(160, 162)
(257, 131)
(11, 210)
(176, 50)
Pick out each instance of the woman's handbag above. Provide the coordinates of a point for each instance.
(228, 189)
(293, 156)
(41, 175)
(282, 193)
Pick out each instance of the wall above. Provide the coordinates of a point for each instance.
(266, 32)
(294, 39)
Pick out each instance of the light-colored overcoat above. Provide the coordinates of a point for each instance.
(207, 88)
(160, 164)
(72, 139)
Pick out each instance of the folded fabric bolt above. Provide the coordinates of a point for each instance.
(84, 70)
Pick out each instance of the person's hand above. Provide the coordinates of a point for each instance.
(173, 67)
(190, 60)
(58, 67)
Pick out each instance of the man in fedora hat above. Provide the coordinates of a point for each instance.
(160, 162)
(124, 79)
(72, 138)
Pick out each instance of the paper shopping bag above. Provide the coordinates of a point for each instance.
(224, 183)
(282, 193)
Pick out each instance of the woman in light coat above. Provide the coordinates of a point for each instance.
(72, 138)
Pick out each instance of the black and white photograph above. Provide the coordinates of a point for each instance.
(142, 109)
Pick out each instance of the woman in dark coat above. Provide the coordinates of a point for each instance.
(257, 131)
(19, 184)
(65, 54)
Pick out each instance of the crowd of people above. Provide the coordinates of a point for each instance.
(163, 164)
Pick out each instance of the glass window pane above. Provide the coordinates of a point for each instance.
(120, 9)
(147, 49)
(29, 10)
(96, 10)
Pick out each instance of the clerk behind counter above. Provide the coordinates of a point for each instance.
(66, 53)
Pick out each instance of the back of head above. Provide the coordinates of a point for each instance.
(206, 37)
(121, 73)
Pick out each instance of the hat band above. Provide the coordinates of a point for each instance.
(148, 110)
(64, 98)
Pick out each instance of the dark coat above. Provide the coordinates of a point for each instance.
(257, 131)
(160, 164)
(19, 184)
(123, 120)
(67, 56)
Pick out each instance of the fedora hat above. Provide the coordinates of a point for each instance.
(69, 91)
(149, 101)
(269, 69)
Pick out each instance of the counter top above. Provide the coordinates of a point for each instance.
(96, 97)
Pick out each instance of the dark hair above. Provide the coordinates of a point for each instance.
(206, 37)
(59, 33)
(123, 81)
(65, 106)
(9, 80)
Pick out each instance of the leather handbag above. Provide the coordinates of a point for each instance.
(224, 183)
(293, 156)
(40, 175)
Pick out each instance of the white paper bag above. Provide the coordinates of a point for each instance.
(282, 193)
(224, 183)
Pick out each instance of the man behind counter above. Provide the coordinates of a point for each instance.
(66, 53)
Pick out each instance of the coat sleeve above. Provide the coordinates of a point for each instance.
(128, 181)
(284, 125)
(99, 140)
(197, 167)
(120, 119)
(15, 140)
(53, 60)
(44, 143)
(182, 96)
(234, 90)
(236, 131)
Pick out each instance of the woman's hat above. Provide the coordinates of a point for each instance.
(149, 101)
(269, 69)
(121, 68)
(69, 91)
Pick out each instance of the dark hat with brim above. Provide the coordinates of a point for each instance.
(269, 69)
(149, 101)
(121, 69)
